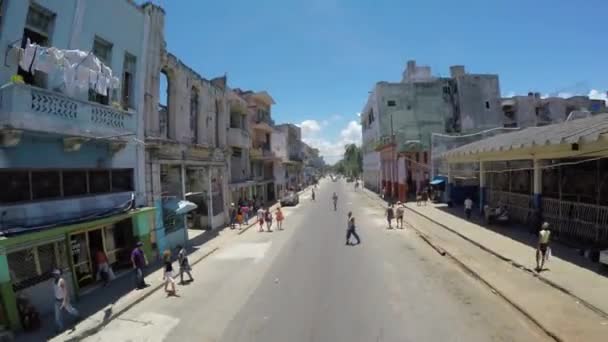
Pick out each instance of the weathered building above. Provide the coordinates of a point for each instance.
(533, 110)
(399, 118)
(294, 150)
(186, 153)
(239, 140)
(70, 171)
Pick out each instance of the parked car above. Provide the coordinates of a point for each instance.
(291, 198)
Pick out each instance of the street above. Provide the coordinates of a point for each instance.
(305, 284)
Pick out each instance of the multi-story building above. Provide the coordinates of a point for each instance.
(399, 118)
(532, 110)
(294, 152)
(279, 148)
(185, 136)
(239, 140)
(261, 155)
(70, 168)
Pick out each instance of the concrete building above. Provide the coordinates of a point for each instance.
(261, 155)
(241, 184)
(399, 119)
(279, 148)
(185, 136)
(71, 170)
(294, 151)
(532, 110)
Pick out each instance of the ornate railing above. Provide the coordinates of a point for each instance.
(36, 109)
(581, 221)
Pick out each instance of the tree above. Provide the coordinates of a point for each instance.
(353, 160)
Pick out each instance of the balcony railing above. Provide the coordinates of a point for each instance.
(238, 137)
(260, 153)
(24, 107)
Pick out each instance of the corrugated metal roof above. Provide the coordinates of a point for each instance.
(575, 131)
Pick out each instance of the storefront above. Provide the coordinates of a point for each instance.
(27, 260)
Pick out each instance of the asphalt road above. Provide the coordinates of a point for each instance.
(305, 284)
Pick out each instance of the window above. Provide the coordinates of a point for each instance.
(425, 157)
(194, 115)
(163, 105)
(237, 152)
(99, 181)
(45, 184)
(391, 103)
(103, 50)
(217, 122)
(15, 185)
(74, 183)
(33, 265)
(38, 26)
(128, 80)
(122, 180)
(446, 90)
(487, 105)
(417, 157)
(409, 107)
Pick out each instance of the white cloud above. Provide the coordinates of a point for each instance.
(358, 114)
(598, 95)
(332, 150)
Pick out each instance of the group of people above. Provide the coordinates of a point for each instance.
(265, 216)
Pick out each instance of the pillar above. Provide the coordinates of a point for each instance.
(209, 199)
(538, 184)
(482, 186)
(9, 300)
(450, 184)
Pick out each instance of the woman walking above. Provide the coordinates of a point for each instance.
(279, 217)
(168, 275)
(261, 214)
(268, 220)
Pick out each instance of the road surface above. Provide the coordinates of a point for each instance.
(305, 284)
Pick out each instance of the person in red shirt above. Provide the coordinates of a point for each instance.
(104, 271)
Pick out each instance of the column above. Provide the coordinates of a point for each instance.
(538, 184)
(482, 186)
(183, 176)
(209, 199)
(450, 184)
(8, 295)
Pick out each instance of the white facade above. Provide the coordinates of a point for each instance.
(370, 136)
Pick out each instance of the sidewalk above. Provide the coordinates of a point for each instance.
(566, 270)
(99, 306)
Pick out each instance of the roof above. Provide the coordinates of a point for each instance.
(579, 131)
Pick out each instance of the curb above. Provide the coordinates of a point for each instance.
(152, 290)
(517, 265)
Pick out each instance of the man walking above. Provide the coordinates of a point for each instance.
(543, 246)
(139, 261)
(400, 212)
(468, 207)
(390, 214)
(351, 229)
(184, 265)
(335, 199)
(62, 300)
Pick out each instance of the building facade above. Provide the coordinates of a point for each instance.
(295, 162)
(533, 110)
(186, 155)
(399, 120)
(71, 170)
(241, 185)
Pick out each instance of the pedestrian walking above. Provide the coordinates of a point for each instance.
(245, 211)
(400, 212)
(62, 300)
(232, 213)
(313, 194)
(184, 265)
(390, 214)
(335, 200)
(268, 219)
(104, 271)
(239, 217)
(468, 207)
(383, 192)
(543, 250)
(261, 214)
(280, 218)
(139, 261)
(351, 229)
(168, 274)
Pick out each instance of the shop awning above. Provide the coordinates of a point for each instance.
(437, 181)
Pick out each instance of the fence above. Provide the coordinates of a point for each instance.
(580, 221)
(521, 206)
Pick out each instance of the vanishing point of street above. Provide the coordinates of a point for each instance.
(305, 284)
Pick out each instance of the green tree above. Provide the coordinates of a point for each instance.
(353, 160)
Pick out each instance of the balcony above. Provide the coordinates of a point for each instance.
(239, 138)
(23, 107)
(262, 154)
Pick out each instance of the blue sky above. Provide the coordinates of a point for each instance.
(319, 58)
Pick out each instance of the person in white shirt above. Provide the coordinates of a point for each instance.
(543, 246)
(62, 300)
(468, 207)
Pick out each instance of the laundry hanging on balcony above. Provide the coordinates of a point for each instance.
(75, 69)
